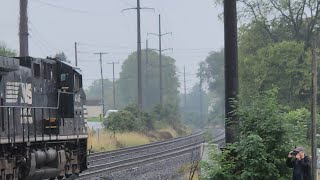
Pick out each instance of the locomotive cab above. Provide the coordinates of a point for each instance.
(42, 129)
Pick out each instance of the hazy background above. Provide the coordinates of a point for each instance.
(99, 25)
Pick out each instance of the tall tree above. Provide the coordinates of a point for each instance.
(212, 70)
(150, 77)
(280, 20)
(4, 51)
(277, 65)
(61, 56)
(191, 112)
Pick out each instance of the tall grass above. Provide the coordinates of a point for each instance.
(103, 140)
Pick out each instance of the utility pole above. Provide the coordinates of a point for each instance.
(314, 112)
(102, 84)
(146, 84)
(160, 63)
(139, 56)
(76, 53)
(185, 87)
(114, 85)
(138, 8)
(23, 29)
(231, 69)
(160, 59)
(147, 54)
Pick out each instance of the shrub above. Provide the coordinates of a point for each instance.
(122, 121)
(263, 146)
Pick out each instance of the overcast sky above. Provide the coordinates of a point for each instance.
(99, 25)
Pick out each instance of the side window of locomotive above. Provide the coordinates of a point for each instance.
(50, 71)
(36, 70)
(77, 82)
(63, 77)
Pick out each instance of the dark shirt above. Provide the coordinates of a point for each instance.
(298, 171)
(301, 169)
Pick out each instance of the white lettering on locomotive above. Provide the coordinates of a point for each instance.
(17, 92)
(26, 116)
(14, 89)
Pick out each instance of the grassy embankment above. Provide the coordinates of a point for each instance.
(94, 119)
(105, 141)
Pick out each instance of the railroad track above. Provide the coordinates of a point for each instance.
(98, 158)
(102, 164)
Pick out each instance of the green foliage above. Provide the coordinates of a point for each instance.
(94, 119)
(296, 123)
(131, 119)
(122, 121)
(145, 120)
(282, 20)
(150, 79)
(277, 65)
(212, 72)
(264, 144)
(255, 160)
(274, 51)
(190, 111)
(170, 115)
(4, 51)
(167, 113)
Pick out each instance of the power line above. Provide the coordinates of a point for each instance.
(126, 3)
(103, 45)
(41, 38)
(63, 8)
(33, 37)
(39, 46)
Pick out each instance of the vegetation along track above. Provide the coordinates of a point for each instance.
(103, 163)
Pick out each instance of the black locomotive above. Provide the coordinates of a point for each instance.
(43, 131)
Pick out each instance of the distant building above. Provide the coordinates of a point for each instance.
(94, 108)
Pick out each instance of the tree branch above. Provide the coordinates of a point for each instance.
(294, 23)
(265, 26)
(311, 25)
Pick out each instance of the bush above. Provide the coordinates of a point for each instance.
(122, 121)
(263, 146)
(145, 120)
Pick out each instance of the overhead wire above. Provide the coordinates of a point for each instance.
(103, 45)
(125, 2)
(33, 29)
(39, 46)
(35, 38)
(63, 8)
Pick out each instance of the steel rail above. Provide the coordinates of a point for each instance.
(103, 169)
(97, 156)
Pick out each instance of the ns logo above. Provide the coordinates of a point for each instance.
(20, 94)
